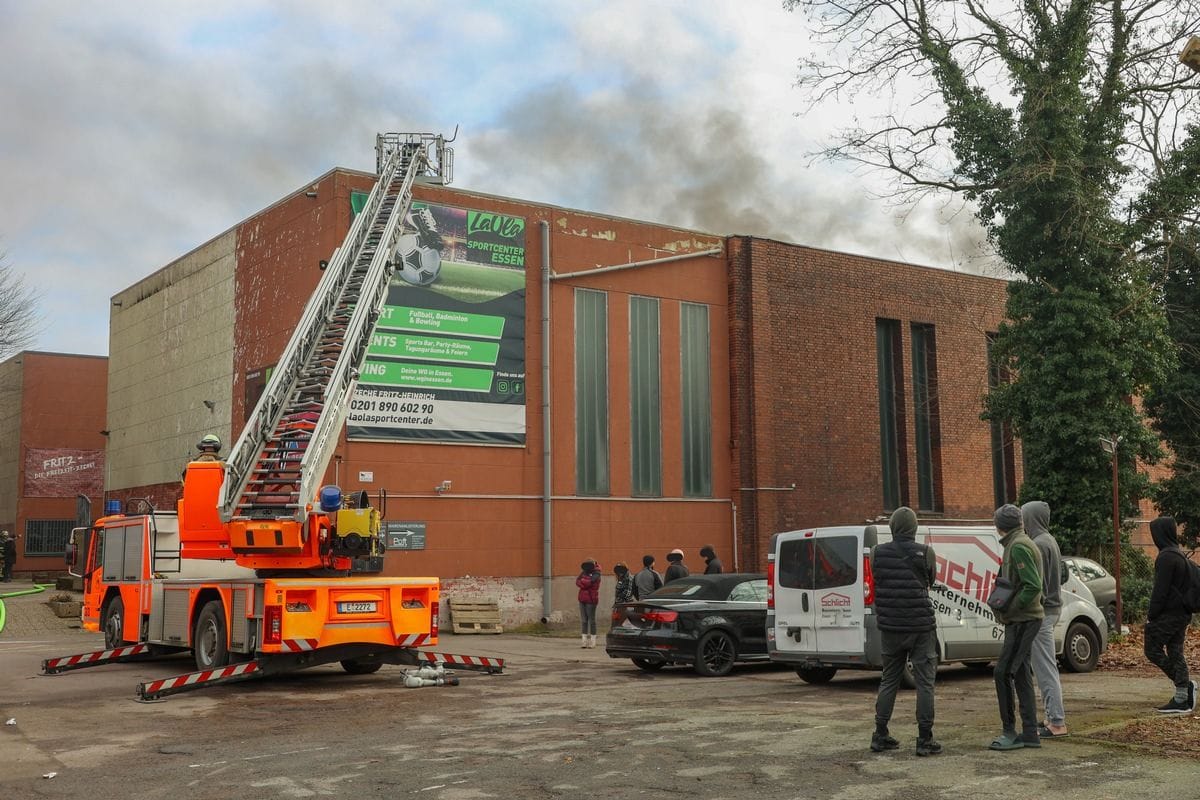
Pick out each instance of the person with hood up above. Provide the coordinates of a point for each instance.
(589, 597)
(712, 564)
(1036, 516)
(1167, 620)
(676, 568)
(1021, 565)
(904, 570)
(8, 556)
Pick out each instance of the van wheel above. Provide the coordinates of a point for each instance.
(210, 644)
(1081, 648)
(816, 675)
(356, 666)
(646, 665)
(715, 654)
(112, 622)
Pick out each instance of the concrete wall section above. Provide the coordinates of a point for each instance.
(11, 381)
(170, 350)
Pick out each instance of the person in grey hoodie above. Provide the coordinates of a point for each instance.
(1036, 518)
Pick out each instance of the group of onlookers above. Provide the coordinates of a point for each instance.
(1030, 572)
(630, 587)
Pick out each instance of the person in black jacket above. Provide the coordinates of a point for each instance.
(676, 569)
(712, 564)
(1167, 620)
(8, 556)
(904, 570)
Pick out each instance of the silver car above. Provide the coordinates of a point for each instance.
(1098, 581)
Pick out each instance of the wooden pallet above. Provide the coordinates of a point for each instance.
(475, 616)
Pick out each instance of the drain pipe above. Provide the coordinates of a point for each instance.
(547, 486)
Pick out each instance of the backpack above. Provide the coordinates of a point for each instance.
(1191, 595)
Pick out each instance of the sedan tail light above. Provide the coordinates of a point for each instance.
(660, 615)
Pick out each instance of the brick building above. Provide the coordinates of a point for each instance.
(51, 450)
(702, 390)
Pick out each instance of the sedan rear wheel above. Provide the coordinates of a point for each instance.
(715, 654)
(646, 665)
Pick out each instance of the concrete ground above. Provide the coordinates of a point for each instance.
(561, 722)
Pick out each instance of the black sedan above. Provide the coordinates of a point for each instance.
(708, 621)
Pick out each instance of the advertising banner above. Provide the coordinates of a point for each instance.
(63, 472)
(446, 361)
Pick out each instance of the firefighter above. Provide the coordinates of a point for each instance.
(209, 445)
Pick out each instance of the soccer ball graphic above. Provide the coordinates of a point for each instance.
(418, 265)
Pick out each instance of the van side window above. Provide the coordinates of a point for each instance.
(837, 561)
(795, 565)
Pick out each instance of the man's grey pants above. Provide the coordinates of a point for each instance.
(897, 650)
(1045, 669)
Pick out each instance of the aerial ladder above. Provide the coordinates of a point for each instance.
(260, 570)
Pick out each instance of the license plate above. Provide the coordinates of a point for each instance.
(357, 608)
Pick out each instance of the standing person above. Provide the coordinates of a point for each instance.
(676, 568)
(208, 446)
(712, 564)
(648, 580)
(589, 597)
(904, 570)
(1021, 565)
(623, 593)
(1167, 620)
(1036, 516)
(8, 555)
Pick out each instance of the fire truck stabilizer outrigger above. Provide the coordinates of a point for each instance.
(259, 571)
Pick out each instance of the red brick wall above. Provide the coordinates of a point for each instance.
(63, 401)
(806, 405)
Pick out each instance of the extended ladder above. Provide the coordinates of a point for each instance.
(273, 469)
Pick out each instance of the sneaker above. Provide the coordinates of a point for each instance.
(928, 747)
(1191, 696)
(884, 742)
(1177, 706)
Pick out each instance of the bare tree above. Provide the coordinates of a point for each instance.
(19, 319)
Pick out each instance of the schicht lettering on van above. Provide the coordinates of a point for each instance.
(820, 606)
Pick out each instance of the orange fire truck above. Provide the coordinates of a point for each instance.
(259, 570)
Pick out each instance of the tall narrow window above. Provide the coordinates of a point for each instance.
(591, 392)
(1004, 468)
(926, 419)
(696, 401)
(889, 363)
(645, 398)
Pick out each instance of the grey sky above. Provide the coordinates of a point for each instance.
(133, 132)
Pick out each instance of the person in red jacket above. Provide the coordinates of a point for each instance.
(589, 597)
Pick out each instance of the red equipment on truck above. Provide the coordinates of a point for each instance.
(258, 571)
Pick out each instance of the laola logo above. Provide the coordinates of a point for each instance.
(483, 222)
(835, 600)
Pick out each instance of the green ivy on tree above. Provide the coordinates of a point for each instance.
(1059, 123)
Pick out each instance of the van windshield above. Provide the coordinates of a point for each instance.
(818, 563)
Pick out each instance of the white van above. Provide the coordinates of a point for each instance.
(820, 601)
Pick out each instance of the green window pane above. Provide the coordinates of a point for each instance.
(645, 397)
(591, 392)
(696, 400)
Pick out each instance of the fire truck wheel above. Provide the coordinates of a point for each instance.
(358, 667)
(114, 623)
(209, 642)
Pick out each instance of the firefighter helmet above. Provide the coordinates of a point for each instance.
(211, 443)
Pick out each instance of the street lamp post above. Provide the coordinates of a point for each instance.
(1110, 446)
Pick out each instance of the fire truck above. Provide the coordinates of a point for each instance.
(259, 570)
